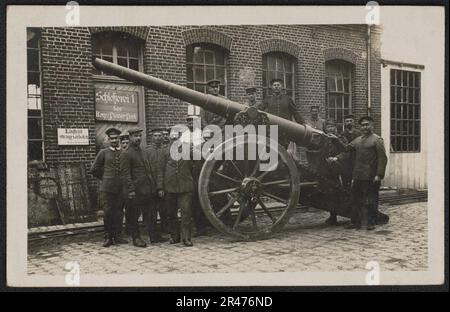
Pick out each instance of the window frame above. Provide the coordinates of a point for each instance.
(39, 96)
(403, 108)
(265, 70)
(339, 76)
(194, 110)
(114, 38)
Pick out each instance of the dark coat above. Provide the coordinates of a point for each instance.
(369, 156)
(177, 174)
(106, 167)
(140, 171)
(281, 106)
(350, 136)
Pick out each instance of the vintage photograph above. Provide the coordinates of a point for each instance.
(253, 150)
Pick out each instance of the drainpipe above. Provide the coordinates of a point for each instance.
(369, 101)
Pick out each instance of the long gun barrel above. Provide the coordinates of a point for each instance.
(303, 135)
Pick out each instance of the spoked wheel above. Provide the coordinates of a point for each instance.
(249, 197)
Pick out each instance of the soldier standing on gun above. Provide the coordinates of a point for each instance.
(368, 171)
(179, 185)
(143, 179)
(157, 148)
(209, 118)
(281, 105)
(106, 168)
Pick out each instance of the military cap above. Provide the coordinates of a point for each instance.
(213, 82)
(112, 131)
(276, 80)
(134, 130)
(250, 90)
(124, 134)
(349, 116)
(368, 118)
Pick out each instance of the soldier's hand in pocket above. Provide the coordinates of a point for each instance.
(131, 195)
(161, 193)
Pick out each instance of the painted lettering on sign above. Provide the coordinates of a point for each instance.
(116, 105)
(73, 136)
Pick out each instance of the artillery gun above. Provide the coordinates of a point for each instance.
(237, 197)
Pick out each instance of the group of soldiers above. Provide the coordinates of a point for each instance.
(148, 181)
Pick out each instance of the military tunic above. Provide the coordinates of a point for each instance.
(106, 167)
(369, 161)
(141, 174)
(178, 185)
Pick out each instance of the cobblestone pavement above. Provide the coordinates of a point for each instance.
(305, 244)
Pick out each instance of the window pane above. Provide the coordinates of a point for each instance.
(34, 82)
(346, 101)
(332, 84)
(417, 80)
(220, 58)
(417, 128)
(416, 144)
(209, 73)
(222, 90)
(280, 64)
(106, 46)
(34, 128)
(133, 50)
(220, 74)
(121, 47)
(288, 65)
(134, 64)
(271, 63)
(289, 82)
(416, 96)
(209, 57)
(33, 37)
(347, 85)
(35, 150)
(33, 60)
(198, 55)
(190, 86)
(405, 95)
(200, 88)
(122, 61)
(399, 94)
(199, 73)
(108, 58)
(417, 111)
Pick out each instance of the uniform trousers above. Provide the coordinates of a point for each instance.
(113, 212)
(144, 205)
(365, 202)
(182, 202)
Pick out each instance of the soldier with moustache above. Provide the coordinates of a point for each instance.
(207, 117)
(106, 167)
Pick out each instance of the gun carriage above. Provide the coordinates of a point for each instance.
(237, 197)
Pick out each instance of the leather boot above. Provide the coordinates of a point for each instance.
(108, 241)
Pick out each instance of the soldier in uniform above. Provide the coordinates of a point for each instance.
(250, 96)
(143, 179)
(350, 132)
(333, 171)
(157, 148)
(368, 171)
(209, 118)
(106, 168)
(178, 185)
(314, 120)
(280, 104)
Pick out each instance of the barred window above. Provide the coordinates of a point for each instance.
(34, 96)
(205, 62)
(338, 86)
(405, 111)
(279, 65)
(117, 48)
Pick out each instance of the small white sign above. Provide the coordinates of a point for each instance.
(73, 136)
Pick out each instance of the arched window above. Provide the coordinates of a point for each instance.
(117, 48)
(279, 65)
(205, 62)
(338, 86)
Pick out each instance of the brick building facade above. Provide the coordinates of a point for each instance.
(309, 57)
